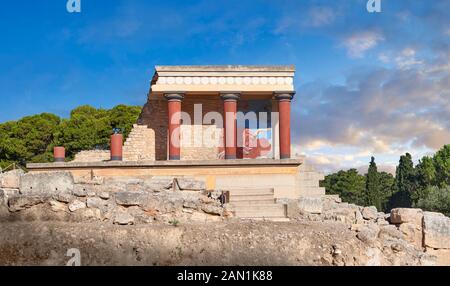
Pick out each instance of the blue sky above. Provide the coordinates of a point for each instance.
(367, 83)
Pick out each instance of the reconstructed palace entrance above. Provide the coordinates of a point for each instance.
(229, 126)
(228, 112)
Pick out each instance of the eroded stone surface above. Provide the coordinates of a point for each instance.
(436, 228)
(11, 179)
(404, 215)
(46, 182)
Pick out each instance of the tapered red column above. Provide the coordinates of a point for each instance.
(230, 125)
(59, 154)
(284, 109)
(174, 108)
(116, 147)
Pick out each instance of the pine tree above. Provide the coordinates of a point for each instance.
(373, 196)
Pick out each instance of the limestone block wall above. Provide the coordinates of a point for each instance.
(140, 144)
(155, 116)
(201, 142)
(92, 156)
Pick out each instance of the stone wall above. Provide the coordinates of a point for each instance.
(336, 233)
(140, 144)
(92, 156)
(403, 228)
(197, 135)
(154, 115)
(57, 196)
(308, 181)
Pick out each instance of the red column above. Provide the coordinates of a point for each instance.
(59, 154)
(174, 106)
(116, 147)
(230, 124)
(284, 110)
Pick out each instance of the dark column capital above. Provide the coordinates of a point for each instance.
(174, 96)
(230, 95)
(284, 95)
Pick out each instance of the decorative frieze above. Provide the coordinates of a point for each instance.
(232, 80)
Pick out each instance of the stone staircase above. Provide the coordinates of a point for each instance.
(139, 145)
(257, 204)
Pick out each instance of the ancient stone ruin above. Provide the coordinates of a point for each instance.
(177, 221)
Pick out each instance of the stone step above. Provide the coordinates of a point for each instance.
(260, 211)
(251, 192)
(262, 190)
(251, 198)
(245, 203)
(272, 219)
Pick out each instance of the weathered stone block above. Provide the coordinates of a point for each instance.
(436, 229)
(368, 233)
(310, 205)
(126, 198)
(190, 184)
(403, 215)
(79, 191)
(11, 180)
(64, 197)
(213, 210)
(89, 180)
(97, 203)
(104, 195)
(123, 218)
(77, 205)
(86, 215)
(442, 256)
(412, 233)
(48, 182)
(22, 202)
(58, 206)
(159, 183)
(369, 213)
(390, 232)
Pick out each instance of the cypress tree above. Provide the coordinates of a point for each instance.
(373, 196)
(404, 183)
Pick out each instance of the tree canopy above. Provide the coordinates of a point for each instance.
(32, 138)
(426, 185)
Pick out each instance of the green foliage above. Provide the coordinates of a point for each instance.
(436, 200)
(373, 186)
(27, 140)
(349, 185)
(425, 186)
(386, 181)
(123, 117)
(88, 128)
(442, 166)
(32, 138)
(405, 183)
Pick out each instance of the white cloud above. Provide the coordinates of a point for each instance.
(384, 111)
(407, 59)
(320, 16)
(359, 43)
